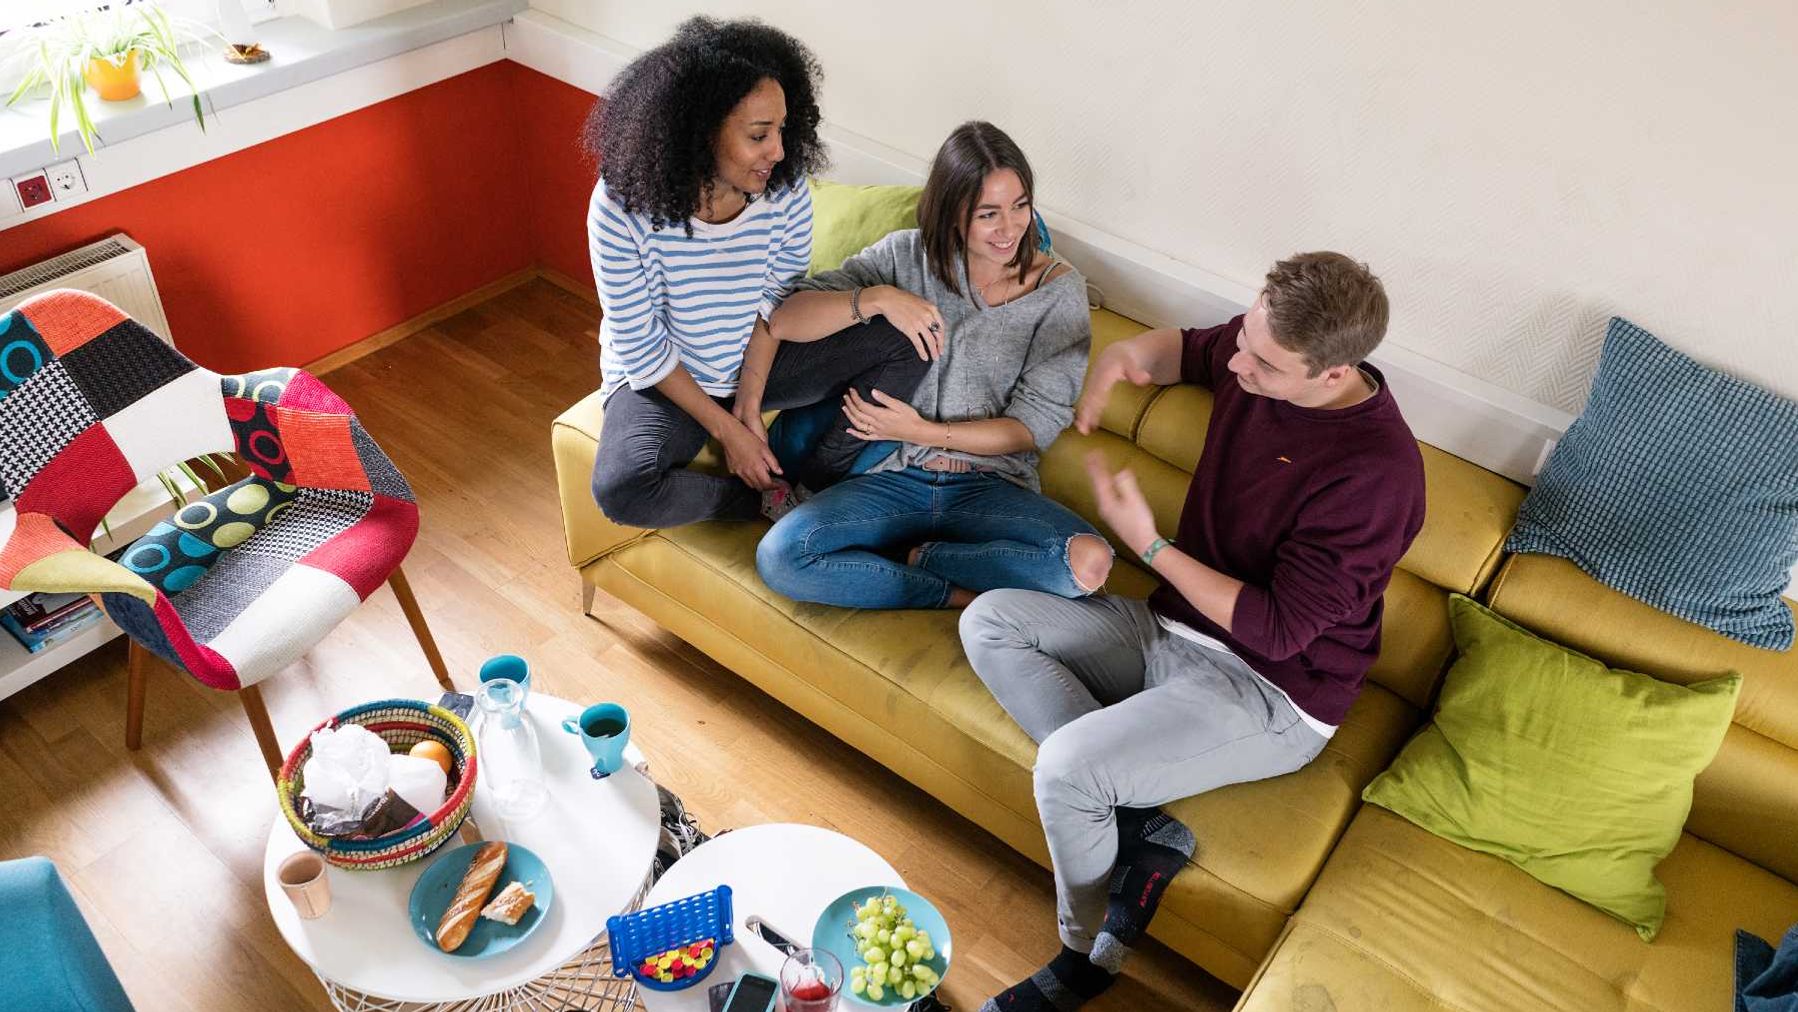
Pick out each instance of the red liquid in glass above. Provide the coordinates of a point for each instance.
(812, 996)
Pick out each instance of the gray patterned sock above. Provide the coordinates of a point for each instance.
(1147, 862)
(1109, 954)
(1068, 982)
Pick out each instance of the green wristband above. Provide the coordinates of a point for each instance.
(1149, 553)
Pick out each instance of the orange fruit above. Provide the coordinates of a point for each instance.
(434, 751)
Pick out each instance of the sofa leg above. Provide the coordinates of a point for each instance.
(588, 590)
(409, 605)
(251, 698)
(135, 659)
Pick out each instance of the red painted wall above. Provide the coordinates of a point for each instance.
(289, 250)
(551, 115)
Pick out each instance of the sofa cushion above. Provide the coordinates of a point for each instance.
(1677, 486)
(1577, 773)
(1744, 801)
(1403, 921)
(847, 219)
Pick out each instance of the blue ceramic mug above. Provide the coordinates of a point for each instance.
(510, 666)
(605, 728)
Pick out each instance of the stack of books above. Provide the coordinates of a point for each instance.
(40, 621)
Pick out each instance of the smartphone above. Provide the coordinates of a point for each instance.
(753, 993)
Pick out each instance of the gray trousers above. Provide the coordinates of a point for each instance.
(1126, 714)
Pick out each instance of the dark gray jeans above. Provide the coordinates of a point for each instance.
(640, 478)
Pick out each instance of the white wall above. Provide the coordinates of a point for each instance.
(1517, 172)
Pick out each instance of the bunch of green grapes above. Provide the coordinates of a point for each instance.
(894, 952)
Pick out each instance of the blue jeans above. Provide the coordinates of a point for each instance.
(977, 531)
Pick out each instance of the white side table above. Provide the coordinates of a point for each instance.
(786, 874)
(598, 838)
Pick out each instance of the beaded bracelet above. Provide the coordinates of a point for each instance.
(855, 305)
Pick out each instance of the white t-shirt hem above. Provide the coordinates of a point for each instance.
(1192, 635)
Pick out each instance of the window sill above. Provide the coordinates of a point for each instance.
(302, 52)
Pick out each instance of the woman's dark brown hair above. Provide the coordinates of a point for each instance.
(957, 174)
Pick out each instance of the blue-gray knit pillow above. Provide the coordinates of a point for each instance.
(1678, 487)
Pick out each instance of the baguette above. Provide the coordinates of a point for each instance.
(512, 903)
(471, 896)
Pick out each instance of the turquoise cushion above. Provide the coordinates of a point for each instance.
(1679, 487)
(49, 961)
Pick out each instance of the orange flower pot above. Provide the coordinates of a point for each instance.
(112, 81)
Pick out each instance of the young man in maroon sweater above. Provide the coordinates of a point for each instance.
(1243, 662)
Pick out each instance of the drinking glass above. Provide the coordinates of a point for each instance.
(810, 981)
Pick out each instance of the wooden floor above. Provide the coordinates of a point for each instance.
(163, 847)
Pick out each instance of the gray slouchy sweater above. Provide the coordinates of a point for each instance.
(1023, 360)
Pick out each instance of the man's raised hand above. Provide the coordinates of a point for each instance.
(1115, 363)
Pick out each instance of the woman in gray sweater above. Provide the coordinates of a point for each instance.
(955, 507)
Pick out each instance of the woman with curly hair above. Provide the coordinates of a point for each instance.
(954, 508)
(699, 226)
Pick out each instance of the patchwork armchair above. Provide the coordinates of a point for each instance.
(240, 582)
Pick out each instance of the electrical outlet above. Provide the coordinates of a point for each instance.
(66, 179)
(33, 189)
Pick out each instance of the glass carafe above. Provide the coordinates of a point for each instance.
(509, 764)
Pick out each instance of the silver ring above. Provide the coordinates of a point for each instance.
(935, 327)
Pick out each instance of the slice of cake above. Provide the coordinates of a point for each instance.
(510, 904)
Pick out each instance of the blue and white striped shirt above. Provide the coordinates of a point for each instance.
(668, 299)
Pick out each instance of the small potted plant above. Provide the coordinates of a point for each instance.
(106, 50)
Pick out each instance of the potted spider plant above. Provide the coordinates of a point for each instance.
(108, 51)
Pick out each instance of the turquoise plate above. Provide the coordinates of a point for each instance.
(437, 887)
(832, 934)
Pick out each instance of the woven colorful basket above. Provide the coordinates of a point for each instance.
(402, 723)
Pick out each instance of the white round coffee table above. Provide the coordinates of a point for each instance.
(786, 874)
(598, 839)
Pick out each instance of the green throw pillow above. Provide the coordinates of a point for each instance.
(848, 219)
(1577, 773)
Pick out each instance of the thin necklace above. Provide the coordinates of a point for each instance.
(983, 288)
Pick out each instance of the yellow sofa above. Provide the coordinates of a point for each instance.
(1401, 920)
(896, 686)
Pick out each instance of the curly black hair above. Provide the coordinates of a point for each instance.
(654, 128)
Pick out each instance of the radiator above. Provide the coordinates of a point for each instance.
(115, 268)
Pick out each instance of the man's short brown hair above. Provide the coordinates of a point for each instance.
(1326, 307)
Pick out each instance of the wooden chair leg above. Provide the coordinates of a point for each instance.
(409, 605)
(251, 697)
(587, 592)
(135, 659)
